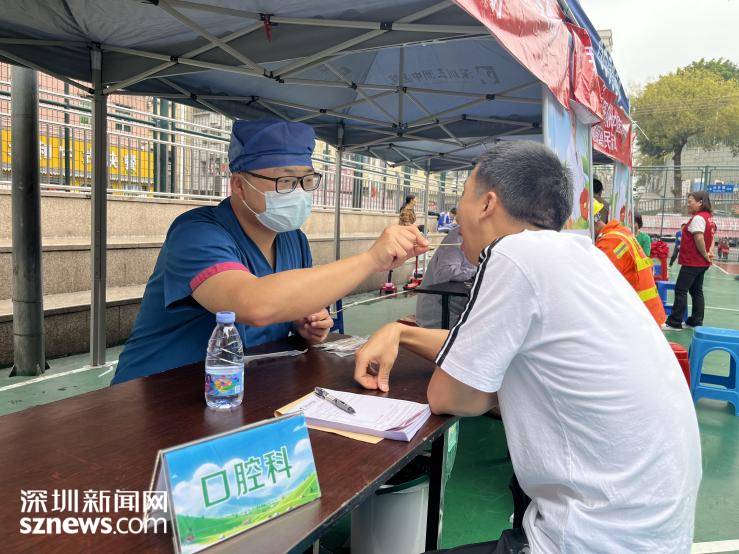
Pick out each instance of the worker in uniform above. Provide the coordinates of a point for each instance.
(695, 257)
(625, 252)
(248, 255)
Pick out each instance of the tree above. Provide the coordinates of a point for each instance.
(699, 103)
(726, 69)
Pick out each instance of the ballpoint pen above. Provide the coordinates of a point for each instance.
(327, 396)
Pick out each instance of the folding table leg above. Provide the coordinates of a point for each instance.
(436, 492)
(445, 314)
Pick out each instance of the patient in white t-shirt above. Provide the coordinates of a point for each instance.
(601, 428)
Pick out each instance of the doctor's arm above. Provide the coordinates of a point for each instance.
(290, 295)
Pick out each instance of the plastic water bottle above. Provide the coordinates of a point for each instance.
(224, 365)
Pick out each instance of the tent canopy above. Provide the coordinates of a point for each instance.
(415, 82)
(406, 80)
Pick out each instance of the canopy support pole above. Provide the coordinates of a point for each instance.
(401, 80)
(98, 244)
(426, 209)
(337, 191)
(28, 308)
(591, 215)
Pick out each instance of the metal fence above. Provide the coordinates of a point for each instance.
(371, 186)
(155, 155)
(194, 154)
(664, 211)
(656, 187)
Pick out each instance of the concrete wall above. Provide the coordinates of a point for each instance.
(67, 330)
(67, 215)
(695, 155)
(136, 229)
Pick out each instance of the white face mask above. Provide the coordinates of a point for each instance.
(283, 212)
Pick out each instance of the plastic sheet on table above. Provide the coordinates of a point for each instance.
(343, 347)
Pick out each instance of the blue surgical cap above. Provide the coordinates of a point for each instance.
(269, 143)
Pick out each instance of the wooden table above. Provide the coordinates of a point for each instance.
(108, 440)
(446, 291)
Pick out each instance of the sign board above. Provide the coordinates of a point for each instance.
(721, 188)
(223, 485)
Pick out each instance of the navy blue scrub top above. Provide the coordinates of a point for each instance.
(171, 329)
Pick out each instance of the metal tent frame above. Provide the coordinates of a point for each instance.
(323, 65)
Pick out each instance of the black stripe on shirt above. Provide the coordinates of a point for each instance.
(484, 257)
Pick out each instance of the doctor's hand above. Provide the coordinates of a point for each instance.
(375, 359)
(315, 327)
(396, 244)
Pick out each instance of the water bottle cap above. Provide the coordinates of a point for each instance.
(225, 317)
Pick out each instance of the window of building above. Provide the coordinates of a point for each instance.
(120, 125)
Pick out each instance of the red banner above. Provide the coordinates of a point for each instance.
(585, 80)
(613, 135)
(534, 33)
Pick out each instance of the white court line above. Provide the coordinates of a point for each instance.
(54, 376)
(690, 307)
(715, 546)
(721, 269)
(723, 309)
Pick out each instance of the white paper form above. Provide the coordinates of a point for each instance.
(375, 415)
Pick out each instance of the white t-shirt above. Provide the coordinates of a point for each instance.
(599, 420)
(697, 224)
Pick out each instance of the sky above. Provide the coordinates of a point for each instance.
(654, 37)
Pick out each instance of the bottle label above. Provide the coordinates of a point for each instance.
(220, 384)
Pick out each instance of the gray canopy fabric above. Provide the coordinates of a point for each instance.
(416, 82)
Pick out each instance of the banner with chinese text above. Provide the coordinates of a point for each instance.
(613, 135)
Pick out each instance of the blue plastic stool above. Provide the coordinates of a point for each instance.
(656, 268)
(663, 287)
(717, 387)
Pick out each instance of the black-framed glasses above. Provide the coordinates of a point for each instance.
(289, 183)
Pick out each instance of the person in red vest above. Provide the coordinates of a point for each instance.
(696, 256)
(723, 249)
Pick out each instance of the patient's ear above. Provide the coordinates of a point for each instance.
(489, 204)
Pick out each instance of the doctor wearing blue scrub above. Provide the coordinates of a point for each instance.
(248, 255)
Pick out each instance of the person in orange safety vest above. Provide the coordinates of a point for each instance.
(624, 251)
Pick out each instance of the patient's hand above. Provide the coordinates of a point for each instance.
(376, 357)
